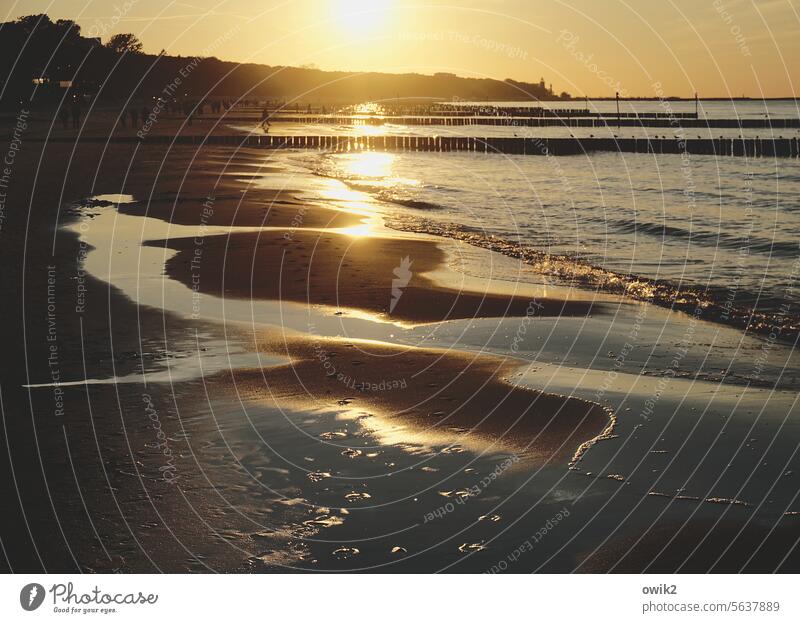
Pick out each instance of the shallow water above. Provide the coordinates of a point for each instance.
(726, 227)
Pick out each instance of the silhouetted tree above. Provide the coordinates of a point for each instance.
(67, 24)
(125, 42)
(29, 23)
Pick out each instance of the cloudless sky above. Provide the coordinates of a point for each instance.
(587, 47)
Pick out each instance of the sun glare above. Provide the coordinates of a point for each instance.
(369, 164)
(357, 231)
(360, 16)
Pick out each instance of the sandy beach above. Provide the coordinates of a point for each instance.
(294, 397)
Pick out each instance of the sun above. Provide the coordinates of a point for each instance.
(360, 16)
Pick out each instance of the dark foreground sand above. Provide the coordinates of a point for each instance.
(700, 546)
(438, 394)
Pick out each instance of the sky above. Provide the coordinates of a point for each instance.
(717, 48)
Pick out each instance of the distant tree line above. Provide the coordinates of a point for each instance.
(42, 57)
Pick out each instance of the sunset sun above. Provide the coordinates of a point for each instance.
(360, 17)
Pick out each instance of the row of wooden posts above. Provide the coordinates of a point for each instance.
(492, 111)
(533, 122)
(750, 147)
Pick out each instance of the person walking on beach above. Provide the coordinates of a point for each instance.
(76, 114)
(265, 120)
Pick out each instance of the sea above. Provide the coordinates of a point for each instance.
(719, 232)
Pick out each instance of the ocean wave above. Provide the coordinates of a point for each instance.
(752, 244)
(754, 309)
(416, 204)
(772, 316)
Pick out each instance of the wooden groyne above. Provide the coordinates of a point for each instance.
(599, 121)
(749, 147)
(505, 111)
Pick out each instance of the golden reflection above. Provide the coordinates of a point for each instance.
(377, 168)
(368, 108)
(390, 430)
(368, 129)
(369, 164)
(357, 231)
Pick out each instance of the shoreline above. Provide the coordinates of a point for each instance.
(371, 271)
(277, 466)
(662, 292)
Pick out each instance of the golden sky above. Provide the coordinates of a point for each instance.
(720, 48)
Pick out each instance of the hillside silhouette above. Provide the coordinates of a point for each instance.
(45, 56)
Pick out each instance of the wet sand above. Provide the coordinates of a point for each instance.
(262, 484)
(444, 398)
(255, 208)
(701, 546)
(347, 271)
(80, 480)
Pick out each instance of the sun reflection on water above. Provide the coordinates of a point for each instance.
(369, 164)
(375, 167)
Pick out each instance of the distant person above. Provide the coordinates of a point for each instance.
(143, 112)
(265, 120)
(134, 117)
(76, 114)
(63, 113)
